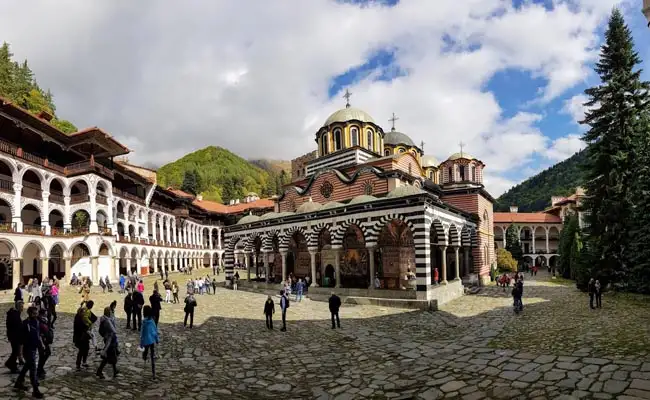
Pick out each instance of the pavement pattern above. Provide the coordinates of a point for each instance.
(474, 348)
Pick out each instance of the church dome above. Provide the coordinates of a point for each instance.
(332, 204)
(268, 215)
(404, 191)
(308, 206)
(248, 219)
(364, 198)
(429, 161)
(394, 138)
(285, 214)
(348, 114)
(458, 156)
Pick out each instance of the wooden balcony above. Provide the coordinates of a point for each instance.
(88, 166)
(16, 151)
(33, 230)
(79, 198)
(129, 196)
(31, 190)
(56, 198)
(6, 185)
(101, 199)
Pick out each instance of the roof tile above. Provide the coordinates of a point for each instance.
(539, 217)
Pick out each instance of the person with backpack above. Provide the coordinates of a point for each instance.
(82, 333)
(47, 338)
(108, 331)
(122, 283)
(136, 310)
(168, 291)
(335, 305)
(269, 310)
(284, 304)
(148, 339)
(190, 304)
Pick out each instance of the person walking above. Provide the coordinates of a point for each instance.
(300, 286)
(82, 333)
(122, 283)
(162, 276)
(47, 338)
(149, 339)
(214, 285)
(284, 304)
(269, 310)
(109, 354)
(168, 291)
(15, 335)
(335, 305)
(190, 304)
(136, 311)
(31, 341)
(591, 288)
(128, 307)
(155, 299)
(598, 294)
(175, 292)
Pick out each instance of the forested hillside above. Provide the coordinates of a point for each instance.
(18, 84)
(222, 175)
(534, 194)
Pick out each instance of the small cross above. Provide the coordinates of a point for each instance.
(393, 119)
(422, 145)
(347, 96)
(461, 144)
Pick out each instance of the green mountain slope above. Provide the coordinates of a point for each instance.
(534, 194)
(223, 175)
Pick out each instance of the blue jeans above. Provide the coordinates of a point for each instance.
(299, 295)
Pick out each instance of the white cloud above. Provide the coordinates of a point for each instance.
(252, 76)
(564, 147)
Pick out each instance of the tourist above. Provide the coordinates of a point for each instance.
(235, 281)
(190, 286)
(102, 284)
(208, 284)
(598, 294)
(284, 304)
(155, 299)
(128, 307)
(74, 280)
(190, 304)
(108, 331)
(47, 338)
(19, 296)
(175, 292)
(156, 287)
(214, 285)
(136, 310)
(82, 333)
(335, 305)
(14, 334)
(140, 286)
(168, 291)
(148, 339)
(85, 292)
(122, 283)
(166, 273)
(378, 282)
(30, 343)
(300, 286)
(197, 286)
(517, 293)
(161, 274)
(592, 292)
(269, 310)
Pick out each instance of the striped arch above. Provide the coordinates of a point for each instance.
(453, 235)
(466, 236)
(439, 229)
(267, 240)
(286, 238)
(315, 234)
(250, 243)
(337, 237)
(375, 230)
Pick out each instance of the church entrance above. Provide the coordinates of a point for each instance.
(354, 268)
(328, 279)
(5, 274)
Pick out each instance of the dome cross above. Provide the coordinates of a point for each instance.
(347, 96)
(392, 120)
(461, 144)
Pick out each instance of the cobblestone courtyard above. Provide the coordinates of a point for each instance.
(473, 348)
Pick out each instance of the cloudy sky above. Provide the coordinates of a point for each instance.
(259, 77)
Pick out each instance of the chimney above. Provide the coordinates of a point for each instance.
(199, 197)
(232, 201)
(514, 209)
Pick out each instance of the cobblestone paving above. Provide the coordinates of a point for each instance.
(474, 348)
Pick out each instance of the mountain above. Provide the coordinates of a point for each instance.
(534, 194)
(273, 166)
(224, 175)
(18, 84)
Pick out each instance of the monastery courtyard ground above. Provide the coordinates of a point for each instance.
(473, 348)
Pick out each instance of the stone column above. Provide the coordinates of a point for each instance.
(17, 221)
(548, 250)
(337, 267)
(67, 270)
(17, 276)
(219, 239)
(155, 265)
(94, 275)
(533, 232)
(312, 256)
(466, 260)
(284, 265)
(505, 233)
(443, 249)
(45, 222)
(457, 250)
(45, 263)
(112, 270)
(153, 228)
(371, 265)
(248, 261)
(266, 266)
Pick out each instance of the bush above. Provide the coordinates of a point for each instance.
(505, 261)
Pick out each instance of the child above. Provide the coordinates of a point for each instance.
(149, 338)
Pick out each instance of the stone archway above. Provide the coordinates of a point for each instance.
(7, 252)
(56, 267)
(354, 265)
(395, 255)
(324, 259)
(298, 259)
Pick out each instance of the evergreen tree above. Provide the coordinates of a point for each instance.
(189, 184)
(610, 168)
(570, 246)
(513, 245)
(198, 180)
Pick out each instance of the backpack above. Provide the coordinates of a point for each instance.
(47, 334)
(102, 329)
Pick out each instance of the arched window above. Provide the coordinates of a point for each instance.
(473, 173)
(451, 174)
(401, 150)
(486, 218)
(337, 139)
(371, 141)
(354, 136)
(431, 175)
(461, 172)
(386, 152)
(324, 141)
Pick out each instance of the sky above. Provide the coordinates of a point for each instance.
(259, 77)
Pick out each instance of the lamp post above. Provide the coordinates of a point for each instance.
(646, 10)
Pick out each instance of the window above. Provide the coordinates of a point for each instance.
(324, 140)
(450, 171)
(386, 152)
(461, 170)
(371, 141)
(337, 139)
(354, 136)
(473, 173)
(401, 150)
(431, 175)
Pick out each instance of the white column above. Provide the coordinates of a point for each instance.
(18, 223)
(457, 249)
(168, 239)
(153, 227)
(210, 238)
(45, 215)
(443, 249)
(547, 247)
(219, 238)
(284, 265)
(109, 217)
(534, 228)
(505, 232)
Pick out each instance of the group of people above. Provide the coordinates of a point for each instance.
(269, 310)
(202, 285)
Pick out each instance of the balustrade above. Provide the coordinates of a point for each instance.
(79, 198)
(32, 190)
(33, 229)
(6, 185)
(101, 199)
(56, 198)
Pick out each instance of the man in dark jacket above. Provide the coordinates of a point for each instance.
(591, 288)
(335, 305)
(14, 334)
(138, 303)
(155, 299)
(128, 307)
(269, 310)
(31, 341)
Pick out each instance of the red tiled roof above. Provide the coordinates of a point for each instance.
(180, 193)
(539, 217)
(213, 206)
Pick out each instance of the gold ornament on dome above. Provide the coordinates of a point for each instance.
(368, 189)
(326, 189)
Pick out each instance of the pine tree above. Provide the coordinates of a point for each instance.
(613, 120)
(570, 246)
(198, 180)
(189, 183)
(513, 245)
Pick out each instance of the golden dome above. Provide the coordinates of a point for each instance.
(457, 156)
(348, 114)
(429, 161)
